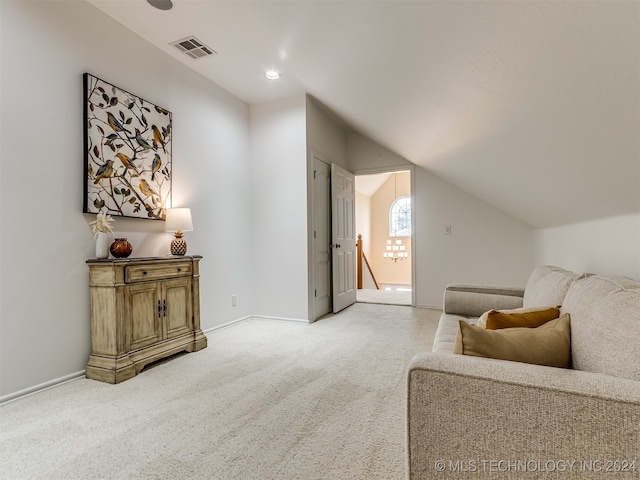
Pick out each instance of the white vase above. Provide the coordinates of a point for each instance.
(102, 245)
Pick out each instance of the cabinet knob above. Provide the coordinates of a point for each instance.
(179, 269)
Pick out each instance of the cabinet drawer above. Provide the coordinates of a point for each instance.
(144, 273)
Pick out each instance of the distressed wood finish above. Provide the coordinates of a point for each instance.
(142, 310)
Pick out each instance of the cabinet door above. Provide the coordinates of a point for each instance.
(179, 301)
(146, 323)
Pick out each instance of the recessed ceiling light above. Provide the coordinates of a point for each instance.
(161, 4)
(272, 75)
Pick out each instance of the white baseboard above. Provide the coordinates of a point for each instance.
(228, 324)
(281, 319)
(254, 317)
(41, 388)
(430, 307)
(74, 376)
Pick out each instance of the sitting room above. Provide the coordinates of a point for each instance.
(191, 309)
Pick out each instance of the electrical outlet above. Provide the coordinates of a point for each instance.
(234, 300)
(447, 229)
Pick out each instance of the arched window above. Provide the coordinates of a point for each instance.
(400, 218)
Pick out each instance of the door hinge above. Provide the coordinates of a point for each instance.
(315, 293)
(314, 234)
(314, 174)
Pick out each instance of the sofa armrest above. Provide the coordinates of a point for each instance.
(474, 300)
(477, 418)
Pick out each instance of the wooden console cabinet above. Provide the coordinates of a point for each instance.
(142, 310)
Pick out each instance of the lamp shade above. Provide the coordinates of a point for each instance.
(178, 219)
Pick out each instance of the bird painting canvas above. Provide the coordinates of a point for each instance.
(127, 153)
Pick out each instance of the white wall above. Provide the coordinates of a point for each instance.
(609, 246)
(364, 155)
(45, 238)
(325, 136)
(363, 221)
(486, 245)
(279, 192)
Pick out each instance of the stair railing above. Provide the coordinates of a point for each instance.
(361, 256)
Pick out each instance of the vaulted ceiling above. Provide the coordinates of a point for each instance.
(532, 106)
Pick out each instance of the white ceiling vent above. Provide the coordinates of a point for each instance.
(193, 47)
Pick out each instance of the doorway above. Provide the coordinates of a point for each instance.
(332, 242)
(384, 224)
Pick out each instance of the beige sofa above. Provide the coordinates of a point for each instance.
(472, 417)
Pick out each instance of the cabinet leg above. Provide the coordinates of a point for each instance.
(109, 369)
(200, 341)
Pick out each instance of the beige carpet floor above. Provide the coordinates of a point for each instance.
(266, 400)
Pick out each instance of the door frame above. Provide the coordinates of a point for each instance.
(411, 169)
(312, 156)
(313, 313)
(310, 215)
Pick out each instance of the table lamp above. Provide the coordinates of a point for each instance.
(178, 220)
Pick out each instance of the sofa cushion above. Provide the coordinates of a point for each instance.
(474, 300)
(547, 285)
(520, 317)
(605, 321)
(548, 344)
(447, 330)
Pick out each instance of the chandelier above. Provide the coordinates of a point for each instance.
(395, 250)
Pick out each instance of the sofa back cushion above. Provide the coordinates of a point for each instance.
(605, 325)
(547, 285)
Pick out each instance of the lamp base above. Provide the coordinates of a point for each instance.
(178, 245)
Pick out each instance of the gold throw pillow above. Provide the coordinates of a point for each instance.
(520, 317)
(548, 344)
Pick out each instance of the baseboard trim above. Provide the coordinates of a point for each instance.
(228, 324)
(281, 319)
(430, 307)
(253, 317)
(41, 387)
(74, 376)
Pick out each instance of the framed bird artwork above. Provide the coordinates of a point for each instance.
(127, 153)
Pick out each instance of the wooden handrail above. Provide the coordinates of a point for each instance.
(373, 277)
(362, 256)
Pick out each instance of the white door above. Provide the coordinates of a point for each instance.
(343, 199)
(321, 238)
